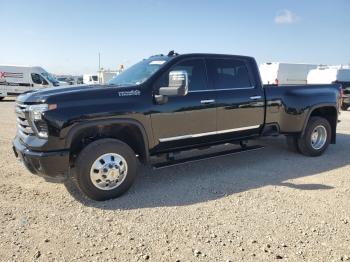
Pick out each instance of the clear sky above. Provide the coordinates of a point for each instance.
(65, 36)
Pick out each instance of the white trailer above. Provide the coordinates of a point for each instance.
(285, 73)
(330, 74)
(15, 80)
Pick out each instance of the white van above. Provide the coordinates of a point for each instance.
(333, 74)
(90, 79)
(15, 80)
(285, 73)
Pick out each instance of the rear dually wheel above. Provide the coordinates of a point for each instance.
(316, 138)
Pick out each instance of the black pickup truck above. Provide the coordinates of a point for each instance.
(159, 108)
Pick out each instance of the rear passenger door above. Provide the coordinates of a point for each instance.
(240, 102)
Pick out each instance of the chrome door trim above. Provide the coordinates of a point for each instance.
(222, 89)
(167, 139)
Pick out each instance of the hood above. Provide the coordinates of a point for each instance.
(53, 93)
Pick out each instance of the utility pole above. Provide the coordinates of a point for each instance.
(99, 68)
(99, 61)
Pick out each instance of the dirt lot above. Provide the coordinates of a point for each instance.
(259, 206)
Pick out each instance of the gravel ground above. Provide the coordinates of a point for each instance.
(264, 205)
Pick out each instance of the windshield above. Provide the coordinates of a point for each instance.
(140, 72)
(49, 77)
(94, 78)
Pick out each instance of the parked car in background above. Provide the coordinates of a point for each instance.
(346, 99)
(15, 80)
(90, 79)
(285, 73)
(160, 108)
(333, 74)
(65, 80)
(79, 80)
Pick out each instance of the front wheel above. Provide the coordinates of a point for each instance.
(106, 169)
(1, 98)
(316, 138)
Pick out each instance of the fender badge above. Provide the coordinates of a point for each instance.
(130, 93)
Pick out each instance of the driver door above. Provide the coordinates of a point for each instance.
(185, 119)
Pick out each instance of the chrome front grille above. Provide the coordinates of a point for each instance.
(23, 125)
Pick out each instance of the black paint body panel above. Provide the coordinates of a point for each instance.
(88, 106)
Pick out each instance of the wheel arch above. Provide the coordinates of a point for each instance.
(129, 131)
(327, 111)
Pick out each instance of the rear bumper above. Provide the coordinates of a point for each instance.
(53, 166)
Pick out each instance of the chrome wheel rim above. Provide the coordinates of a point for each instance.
(108, 171)
(318, 137)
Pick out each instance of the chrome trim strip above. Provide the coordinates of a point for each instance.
(22, 122)
(223, 89)
(27, 130)
(167, 139)
(22, 133)
(237, 129)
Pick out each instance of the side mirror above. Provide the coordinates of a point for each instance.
(178, 84)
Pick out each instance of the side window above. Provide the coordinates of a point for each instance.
(228, 74)
(195, 69)
(38, 79)
(45, 83)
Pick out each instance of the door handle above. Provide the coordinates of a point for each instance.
(208, 101)
(255, 97)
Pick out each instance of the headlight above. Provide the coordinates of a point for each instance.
(36, 111)
(36, 117)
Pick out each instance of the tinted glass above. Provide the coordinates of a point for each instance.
(140, 72)
(37, 79)
(195, 69)
(50, 78)
(228, 73)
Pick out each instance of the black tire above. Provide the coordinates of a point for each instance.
(292, 143)
(344, 107)
(304, 142)
(1, 98)
(90, 154)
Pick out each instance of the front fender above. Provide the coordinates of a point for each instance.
(76, 129)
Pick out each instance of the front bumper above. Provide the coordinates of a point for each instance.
(53, 166)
